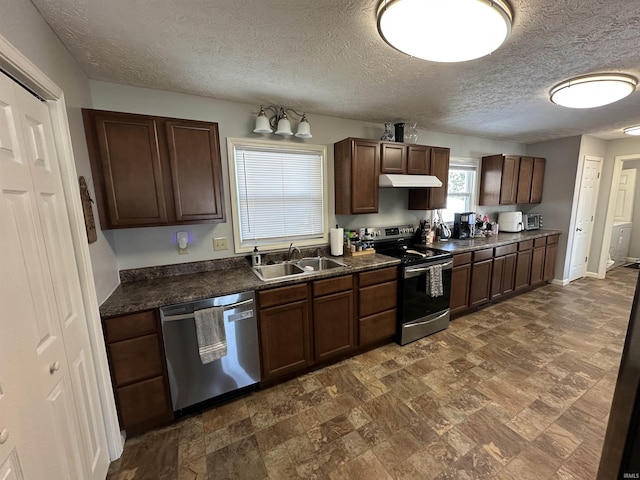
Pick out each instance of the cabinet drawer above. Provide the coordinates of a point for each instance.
(332, 285)
(135, 359)
(144, 404)
(539, 242)
(130, 326)
(378, 298)
(480, 255)
(552, 239)
(282, 295)
(506, 249)
(378, 276)
(526, 245)
(377, 327)
(461, 259)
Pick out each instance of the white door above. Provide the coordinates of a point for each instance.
(48, 394)
(589, 184)
(625, 196)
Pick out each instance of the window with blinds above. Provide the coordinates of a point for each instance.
(279, 194)
(463, 187)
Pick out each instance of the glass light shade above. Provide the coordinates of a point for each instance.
(304, 129)
(284, 127)
(262, 124)
(635, 130)
(593, 90)
(443, 30)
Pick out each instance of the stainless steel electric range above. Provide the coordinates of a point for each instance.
(424, 286)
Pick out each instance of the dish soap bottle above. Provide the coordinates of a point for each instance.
(256, 258)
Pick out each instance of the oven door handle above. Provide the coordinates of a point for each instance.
(424, 269)
(411, 325)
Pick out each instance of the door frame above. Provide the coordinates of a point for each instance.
(23, 70)
(608, 222)
(574, 213)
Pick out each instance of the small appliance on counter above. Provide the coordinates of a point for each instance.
(464, 225)
(532, 221)
(510, 222)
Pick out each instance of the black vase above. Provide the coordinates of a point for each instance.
(399, 132)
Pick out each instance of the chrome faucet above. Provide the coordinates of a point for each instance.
(291, 250)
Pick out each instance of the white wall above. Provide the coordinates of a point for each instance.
(141, 247)
(634, 246)
(22, 25)
(557, 198)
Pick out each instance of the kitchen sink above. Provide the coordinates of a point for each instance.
(316, 264)
(277, 271)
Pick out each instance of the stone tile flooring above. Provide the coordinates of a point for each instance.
(519, 390)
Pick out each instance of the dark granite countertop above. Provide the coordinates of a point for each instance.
(164, 286)
(134, 296)
(502, 238)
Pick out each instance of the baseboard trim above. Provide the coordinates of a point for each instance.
(559, 281)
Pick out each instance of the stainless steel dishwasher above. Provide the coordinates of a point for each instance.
(193, 382)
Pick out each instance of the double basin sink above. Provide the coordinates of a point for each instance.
(309, 265)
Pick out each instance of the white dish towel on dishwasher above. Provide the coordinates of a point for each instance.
(211, 335)
(434, 281)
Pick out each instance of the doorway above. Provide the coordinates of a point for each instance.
(614, 209)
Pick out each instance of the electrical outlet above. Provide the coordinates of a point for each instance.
(182, 239)
(220, 243)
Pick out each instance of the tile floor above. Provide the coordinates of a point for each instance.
(519, 390)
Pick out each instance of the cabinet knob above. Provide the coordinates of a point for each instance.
(578, 229)
(54, 367)
(4, 436)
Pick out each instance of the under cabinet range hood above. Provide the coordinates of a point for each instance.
(408, 181)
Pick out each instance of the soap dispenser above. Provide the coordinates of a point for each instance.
(256, 258)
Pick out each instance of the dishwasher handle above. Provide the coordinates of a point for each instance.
(186, 316)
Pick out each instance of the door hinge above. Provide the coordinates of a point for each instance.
(598, 174)
(585, 259)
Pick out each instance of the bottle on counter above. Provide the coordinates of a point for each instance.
(256, 257)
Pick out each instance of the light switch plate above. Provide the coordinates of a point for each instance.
(220, 243)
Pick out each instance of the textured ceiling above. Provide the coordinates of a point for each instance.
(326, 57)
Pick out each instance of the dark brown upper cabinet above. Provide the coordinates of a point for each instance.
(434, 197)
(511, 180)
(357, 167)
(151, 171)
(393, 158)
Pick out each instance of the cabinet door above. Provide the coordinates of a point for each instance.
(131, 192)
(393, 158)
(497, 276)
(365, 170)
(439, 168)
(551, 253)
(509, 182)
(144, 405)
(537, 266)
(334, 327)
(460, 282)
(480, 289)
(523, 269)
(509, 273)
(196, 172)
(285, 339)
(525, 175)
(537, 180)
(418, 160)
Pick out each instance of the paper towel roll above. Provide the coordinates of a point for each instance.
(336, 238)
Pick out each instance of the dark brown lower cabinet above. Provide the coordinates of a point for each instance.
(480, 289)
(537, 261)
(285, 330)
(523, 265)
(551, 253)
(377, 305)
(460, 283)
(334, 326)
(138, 370)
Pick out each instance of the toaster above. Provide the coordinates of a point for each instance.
(510, 222)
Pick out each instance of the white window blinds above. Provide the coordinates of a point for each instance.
(280, 194)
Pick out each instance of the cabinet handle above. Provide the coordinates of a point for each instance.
(578, 229)
(4, 436)
(54, 367)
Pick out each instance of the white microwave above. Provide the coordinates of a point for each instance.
(532, 221)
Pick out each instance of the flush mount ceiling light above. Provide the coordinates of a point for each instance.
(593, 90)
(445, 31)
(635, 130)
